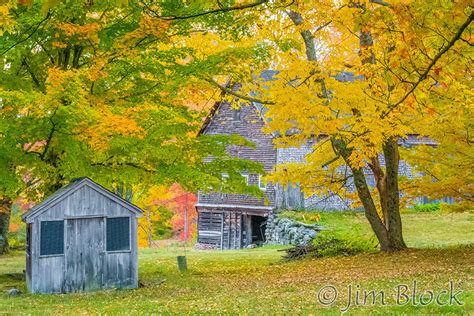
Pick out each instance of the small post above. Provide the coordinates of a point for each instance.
(182, 263)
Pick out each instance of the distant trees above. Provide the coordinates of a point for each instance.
(169, 213)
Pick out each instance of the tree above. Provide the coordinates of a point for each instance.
(169, 212)
(112, 90)
(409, 61)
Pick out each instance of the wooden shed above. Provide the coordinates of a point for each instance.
(81, 238)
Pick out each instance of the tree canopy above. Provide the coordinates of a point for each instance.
(118, 90)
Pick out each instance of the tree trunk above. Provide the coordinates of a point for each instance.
(393, 219)
(388, 231)
(5, 212)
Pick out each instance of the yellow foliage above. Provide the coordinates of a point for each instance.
(386, 98)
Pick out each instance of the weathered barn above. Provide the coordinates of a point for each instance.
(232, 221)
(81, 238)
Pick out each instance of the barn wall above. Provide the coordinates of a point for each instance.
(120, 268)
(225, 228)
(292, 197)
(248, 124)
(210, 226)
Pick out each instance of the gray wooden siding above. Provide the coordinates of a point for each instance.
(210, 228)
(232, 230)
(85, 264)
(250, 127)
(85, 240)
(85, 202)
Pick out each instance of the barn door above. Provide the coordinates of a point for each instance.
(85, 249)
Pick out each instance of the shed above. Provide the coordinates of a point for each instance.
(82, 238)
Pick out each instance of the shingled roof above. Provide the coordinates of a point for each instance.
(73, 186)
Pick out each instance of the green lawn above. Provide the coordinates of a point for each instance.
(421, 230)
(258, 281)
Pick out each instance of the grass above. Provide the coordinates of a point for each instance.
(258, 281)
(421, 230)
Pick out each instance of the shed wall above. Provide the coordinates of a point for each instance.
(120, 269)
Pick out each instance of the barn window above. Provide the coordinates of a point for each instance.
(262, 184)
(118, 234)
(52, 238)
(236, 115)
(246, 178)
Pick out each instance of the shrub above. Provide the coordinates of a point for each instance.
(456, 208)
(327, 244)
(425, 208)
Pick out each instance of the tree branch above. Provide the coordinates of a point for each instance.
(238, 95)
(440, 54)
(220, 10)
(381, 2)
(33, 76)
(30, 35)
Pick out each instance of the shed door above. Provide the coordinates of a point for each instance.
(85, 249)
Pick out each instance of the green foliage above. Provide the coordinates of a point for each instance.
(17, 233)
(99, 88)
(163, 229)
(429, 207)
(328, 244)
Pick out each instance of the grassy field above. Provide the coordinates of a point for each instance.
(258, 281)
(421, 230)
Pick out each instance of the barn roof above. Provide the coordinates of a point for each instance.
(72, 187)
(265, 75)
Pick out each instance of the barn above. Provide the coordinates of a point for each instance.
(81, 238)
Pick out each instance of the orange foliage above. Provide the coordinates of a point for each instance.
(14, 227)
(161, 199)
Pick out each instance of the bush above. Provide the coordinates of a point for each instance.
(327, 244)
(426, 208)
(457, 207)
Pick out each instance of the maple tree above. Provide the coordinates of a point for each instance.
(169, 213)
(359, 77)
(115, 91)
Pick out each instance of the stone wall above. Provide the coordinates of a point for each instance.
(285, 231)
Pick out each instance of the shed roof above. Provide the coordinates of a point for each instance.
(72, 187)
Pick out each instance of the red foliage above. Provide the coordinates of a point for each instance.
(184, 202)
